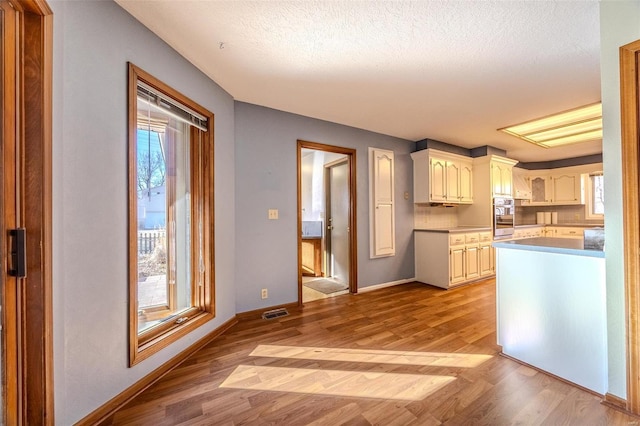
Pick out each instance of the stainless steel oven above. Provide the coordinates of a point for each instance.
(504, 217)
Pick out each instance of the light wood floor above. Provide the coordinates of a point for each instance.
(404, 355)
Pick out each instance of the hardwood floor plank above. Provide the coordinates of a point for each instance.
(403, 355)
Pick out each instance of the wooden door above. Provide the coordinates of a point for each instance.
(25, 202)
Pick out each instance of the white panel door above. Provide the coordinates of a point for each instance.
(338, 219)
(381, 178)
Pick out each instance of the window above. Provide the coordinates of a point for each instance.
(171, 252)
(595, 196)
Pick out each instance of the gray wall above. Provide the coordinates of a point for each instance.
(266, 177)
(619, 25)
(92, 43)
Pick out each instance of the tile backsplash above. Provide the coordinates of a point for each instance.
(427, 217)
(526, 215)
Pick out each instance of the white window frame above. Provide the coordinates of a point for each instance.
(588, 205)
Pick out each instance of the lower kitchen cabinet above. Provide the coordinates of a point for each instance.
(448, 259)
(486, 256)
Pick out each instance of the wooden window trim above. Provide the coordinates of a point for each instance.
(143, 345)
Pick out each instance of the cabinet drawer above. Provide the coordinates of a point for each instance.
(571, 232)
(471, 238)
(456, 239)
(485, 237)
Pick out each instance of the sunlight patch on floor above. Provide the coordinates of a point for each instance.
(407, 387)
(434, 359)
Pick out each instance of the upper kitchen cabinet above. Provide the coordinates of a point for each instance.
(441, 177)
(556, 188)
(502, 176)
(492, 177)
(521, 187)
(567, 188)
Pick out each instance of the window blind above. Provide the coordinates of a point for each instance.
(155, 99)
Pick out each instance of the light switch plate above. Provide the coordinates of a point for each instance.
(273, 214)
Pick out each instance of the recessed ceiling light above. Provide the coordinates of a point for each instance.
(577, 125)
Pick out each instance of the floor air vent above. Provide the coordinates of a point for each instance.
(276, 313)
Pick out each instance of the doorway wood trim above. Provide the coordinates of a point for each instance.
(353, 237)
(629, 98)
(32, 384)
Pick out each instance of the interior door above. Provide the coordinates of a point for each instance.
(25, 202)
(9, 213)
(338, 221)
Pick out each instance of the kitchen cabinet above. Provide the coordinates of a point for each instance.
(382, 229)
(312, 256)
(528, 232)
(448, 259)
(466, 182)
(440, 177)
(492, 177)
(567, 189)
(502, 178)
(565, 232)
(556, 189)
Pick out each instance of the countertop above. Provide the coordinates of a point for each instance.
(550, 245)
(567, 225)
(458, 229)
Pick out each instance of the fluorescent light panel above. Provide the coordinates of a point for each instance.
(577, 125)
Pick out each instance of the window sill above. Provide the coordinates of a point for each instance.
(145, 350)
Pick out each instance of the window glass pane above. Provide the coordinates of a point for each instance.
(597, 200)
(163, 217)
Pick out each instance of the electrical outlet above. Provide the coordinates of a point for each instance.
(264, 293)
(576, 216)
(273, 214)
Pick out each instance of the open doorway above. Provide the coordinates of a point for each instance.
(326, 221)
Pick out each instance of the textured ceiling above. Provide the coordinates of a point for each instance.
(454, 71)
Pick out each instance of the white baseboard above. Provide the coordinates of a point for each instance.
(384, 285)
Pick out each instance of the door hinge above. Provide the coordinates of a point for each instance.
(18, 261)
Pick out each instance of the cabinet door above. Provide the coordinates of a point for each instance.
(382, 230)
(496, 180)
(472, 262)
(453, 182)
(566, 189)
(540, 190)
(466, 183)
(506, 174)
(438, 179)
(456, 265)
(486, 260)
(501, 179)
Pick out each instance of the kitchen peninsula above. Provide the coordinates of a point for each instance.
(551, 311)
